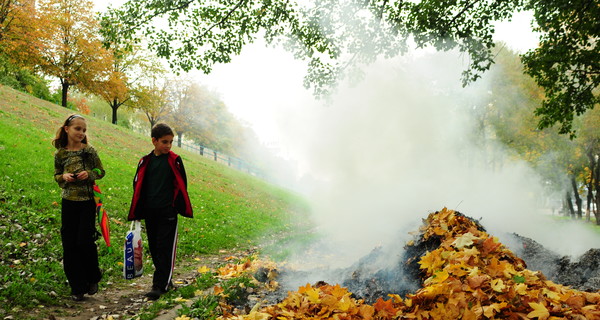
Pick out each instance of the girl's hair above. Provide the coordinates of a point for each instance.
(61, 139)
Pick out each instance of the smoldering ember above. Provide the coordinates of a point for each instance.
(452, 270)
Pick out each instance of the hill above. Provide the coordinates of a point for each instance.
(233, 210)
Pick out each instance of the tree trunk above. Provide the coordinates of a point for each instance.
(569, 204)
(596, 179)
(594, 184)
(578, 200)
(179, 135)
(114, 106)
(590, 199)
(65, 92)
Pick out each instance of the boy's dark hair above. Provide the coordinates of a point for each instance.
(160, 130)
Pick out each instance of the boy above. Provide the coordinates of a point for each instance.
(159, 194)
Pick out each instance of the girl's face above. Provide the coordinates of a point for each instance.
(76, 130)
(162, 145)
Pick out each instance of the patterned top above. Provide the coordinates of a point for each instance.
(86, 159)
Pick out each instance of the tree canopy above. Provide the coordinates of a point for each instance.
(338, 36)
(70, 49)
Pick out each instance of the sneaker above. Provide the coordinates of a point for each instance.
(93, 289)
(154, 294)
(78, 297)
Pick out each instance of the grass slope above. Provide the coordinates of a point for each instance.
(232, 209)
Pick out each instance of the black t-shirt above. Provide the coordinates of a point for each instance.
(157, 191)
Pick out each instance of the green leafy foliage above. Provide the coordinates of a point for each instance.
(566, 64)
(23, 79)
(205, 281)
(337, 37)
(205, 308)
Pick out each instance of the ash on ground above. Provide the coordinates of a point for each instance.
(582, 273)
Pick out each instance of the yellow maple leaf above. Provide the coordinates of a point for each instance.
(437, 277)
(498, 285)
(539, 311)
(313, 295)
(551, 294)
(474, 272)
(344, 304)
(301, 290)
(521, 289)
(203, 269)
(509, 270)
(492, 309)
(464, 240)
(338, 292)
(431, 261)
(458, 270)
(433, 290)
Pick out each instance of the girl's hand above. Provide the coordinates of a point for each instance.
(82, 175)
(69, 177)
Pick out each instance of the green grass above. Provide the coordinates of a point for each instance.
(233, 210)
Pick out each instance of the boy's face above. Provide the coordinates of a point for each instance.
(162, 145)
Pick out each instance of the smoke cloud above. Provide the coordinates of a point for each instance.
(403, 142)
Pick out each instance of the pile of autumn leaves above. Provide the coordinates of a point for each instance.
(469, 276)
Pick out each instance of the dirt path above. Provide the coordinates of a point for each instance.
(124, 301)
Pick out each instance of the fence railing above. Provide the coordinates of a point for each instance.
(220, 157)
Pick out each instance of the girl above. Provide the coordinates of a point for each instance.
(76, 167)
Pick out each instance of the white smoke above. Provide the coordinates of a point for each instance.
(403, 143)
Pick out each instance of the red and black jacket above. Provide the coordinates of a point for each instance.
(181, 199)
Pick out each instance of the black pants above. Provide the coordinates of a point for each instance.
(161, 228)
(80, 254)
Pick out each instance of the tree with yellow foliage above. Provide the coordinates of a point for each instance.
(69, 46)
(561, 161)
(152, 99)
(130, 65)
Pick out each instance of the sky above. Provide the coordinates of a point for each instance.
(387, 150)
